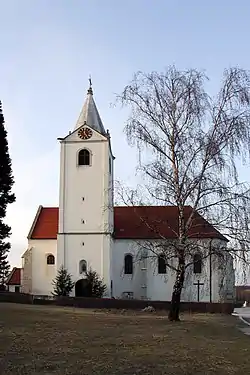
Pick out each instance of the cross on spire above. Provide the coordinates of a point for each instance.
(90, 90)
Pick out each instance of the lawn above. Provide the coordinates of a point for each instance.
(55, 340)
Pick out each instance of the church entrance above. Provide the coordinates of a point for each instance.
(81, 288)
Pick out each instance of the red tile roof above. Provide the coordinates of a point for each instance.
(158, 221)
(132, 223)
(46, 226)
(14, 277)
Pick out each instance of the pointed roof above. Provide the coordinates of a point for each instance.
(89, 114)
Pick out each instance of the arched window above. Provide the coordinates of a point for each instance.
(162, 268)
(197, 260)
(84, 157)
(82, 266)
(128, 264)
(50, 259)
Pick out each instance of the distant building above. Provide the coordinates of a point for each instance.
(14, 280)
(242, 293)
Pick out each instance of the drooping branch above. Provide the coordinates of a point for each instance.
(189, 144)
(193, 140)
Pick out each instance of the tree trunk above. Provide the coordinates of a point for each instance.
(176, 295)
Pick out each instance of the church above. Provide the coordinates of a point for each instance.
(88, 231)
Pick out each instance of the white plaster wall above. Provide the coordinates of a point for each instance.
(26, 274)
(107, 271)
(121, 282)
(160, 287)
(231, 279)
(60, 261)
(226, 279)
(96, 252)
(110, 182)
(90, 182)
(42, 273)
(93, 183)
(190, 291)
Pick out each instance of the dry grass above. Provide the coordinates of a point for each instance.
(53, 340)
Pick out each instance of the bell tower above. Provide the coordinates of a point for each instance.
(86, 196)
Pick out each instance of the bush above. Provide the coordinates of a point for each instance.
(63, 283)
(95, 285)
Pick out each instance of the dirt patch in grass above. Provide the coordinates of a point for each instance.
(56, 340)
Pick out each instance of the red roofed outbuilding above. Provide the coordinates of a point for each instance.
(14, 280)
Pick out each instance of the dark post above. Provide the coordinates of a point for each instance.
(111, 288)
(198, 289)
(210, 276)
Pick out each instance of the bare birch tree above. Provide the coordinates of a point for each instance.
(189, 144)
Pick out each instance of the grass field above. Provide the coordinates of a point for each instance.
(55, 340)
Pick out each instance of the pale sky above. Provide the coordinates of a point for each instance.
(49, 48)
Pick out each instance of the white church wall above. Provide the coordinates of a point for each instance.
(26, 274)
(97, 253)
(60, 260)
(190, 290)
(123, 283)
(94, 249)
(83, 247)
(85, 207)
(107, 259)
(145, 281)
(83, 188)
(110, 182)
(42, 273)
(225, 282)
(159, 286)
(212, 279)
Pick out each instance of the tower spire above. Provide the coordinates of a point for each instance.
(89, 114)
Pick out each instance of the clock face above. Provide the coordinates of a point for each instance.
(85, 133)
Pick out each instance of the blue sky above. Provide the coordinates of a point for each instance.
(48, 50)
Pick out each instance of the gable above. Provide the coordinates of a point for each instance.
(74, 137)
(46, 225)
(142, 222)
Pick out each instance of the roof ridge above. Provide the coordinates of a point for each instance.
(160, 206)
(152, 206)
(50, 207)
